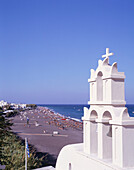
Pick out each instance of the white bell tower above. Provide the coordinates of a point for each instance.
(108, 129)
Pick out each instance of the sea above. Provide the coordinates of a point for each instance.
(76, 111)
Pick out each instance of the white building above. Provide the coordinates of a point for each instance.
(3, 103)
(23, 106)
(17, 106)
(108, 130)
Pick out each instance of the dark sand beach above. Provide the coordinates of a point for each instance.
(47, 131)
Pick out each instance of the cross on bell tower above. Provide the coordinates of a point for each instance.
(107, 54)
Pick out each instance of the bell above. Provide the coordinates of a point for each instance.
(110, 132)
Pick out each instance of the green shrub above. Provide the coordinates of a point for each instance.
(13, 154)
(13, 113)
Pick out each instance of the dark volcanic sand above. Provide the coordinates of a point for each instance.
(41, 136)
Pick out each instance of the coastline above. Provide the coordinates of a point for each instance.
(68, 110)
(59, 120)
(61, 115)
(48, 131)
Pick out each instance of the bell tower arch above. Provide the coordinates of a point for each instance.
(106, 122)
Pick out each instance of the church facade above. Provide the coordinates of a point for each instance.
(108, 131)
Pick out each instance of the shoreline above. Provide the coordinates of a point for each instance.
(66, 111)
(60, 117)
(56, 113)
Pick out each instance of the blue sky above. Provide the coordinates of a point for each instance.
(47, 47)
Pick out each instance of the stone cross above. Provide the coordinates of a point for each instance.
(107, 53)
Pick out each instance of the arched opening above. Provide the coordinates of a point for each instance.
(93, 114)
(125, 114)
(107, 135)
(107, 115)
(93, 133)
(99, 86)
(92, 91)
